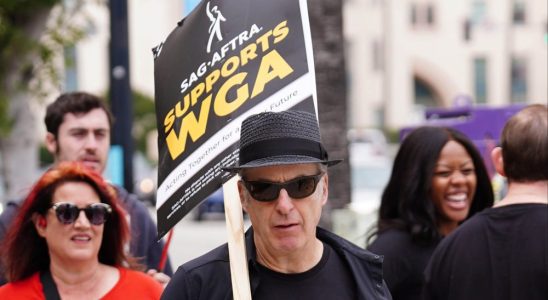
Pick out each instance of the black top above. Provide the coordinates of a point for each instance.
(329, 279)
(404, 262)
(500, 253)
(208, 276)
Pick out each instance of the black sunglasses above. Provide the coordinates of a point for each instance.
(297, 188)
(67, 213)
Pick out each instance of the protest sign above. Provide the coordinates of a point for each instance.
(225, 61)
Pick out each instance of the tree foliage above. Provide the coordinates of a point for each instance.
(32, 33)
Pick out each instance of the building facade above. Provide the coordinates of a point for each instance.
(406, 55)
(402, 56)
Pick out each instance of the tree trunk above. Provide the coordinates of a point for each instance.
(328, 41)
(19, 148)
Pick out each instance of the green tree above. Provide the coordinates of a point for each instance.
(32, 34)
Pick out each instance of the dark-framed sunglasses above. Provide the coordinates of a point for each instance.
(298, 188)
(67, 213)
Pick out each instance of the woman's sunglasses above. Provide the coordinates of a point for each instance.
(298, 188)
(67, 213)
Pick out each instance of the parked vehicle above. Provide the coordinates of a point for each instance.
(370, 164)
(212, 204)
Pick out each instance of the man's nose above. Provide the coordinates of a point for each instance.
(284, 203)
(91, 141)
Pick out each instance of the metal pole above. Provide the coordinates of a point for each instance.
(120, 90)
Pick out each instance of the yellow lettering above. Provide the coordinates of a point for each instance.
(180, 112)
(169, 120)
(263, 40)
(280, 32)
(196, 92)
(230, 66)
(248, 53)
(190, 126)
(211, 79)
(221, 106)
(272, 65)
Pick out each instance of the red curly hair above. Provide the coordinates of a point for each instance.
(25, 252)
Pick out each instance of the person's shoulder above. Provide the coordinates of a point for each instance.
(391, 240)
(470, 226)
(28, 288)
(134, 282)
(130, 201)
(461, 238)
(358, 257)
(212, 268)
(212, 259)
(340, 244)
(124, 195)
(10, 210)
(398, 235)
(498, 217)
(136, 276)
(524, 210)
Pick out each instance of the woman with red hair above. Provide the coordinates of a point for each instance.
(68, 242)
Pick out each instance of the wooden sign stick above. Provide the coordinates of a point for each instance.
(239, 273)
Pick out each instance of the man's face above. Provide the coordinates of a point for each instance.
(284, 225)
(82, 137)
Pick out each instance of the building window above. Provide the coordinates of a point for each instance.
(430, 15)
(378, 55)
(467, 30)
(424, 95)
(71, 74)
(480, 80)
(518, 79)
(479, 11)
(518, 12)
(414, 14)
(422, 14)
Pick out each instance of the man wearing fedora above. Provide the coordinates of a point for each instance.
(283, 187)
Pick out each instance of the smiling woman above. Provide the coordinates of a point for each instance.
(438, 181)
(69, 239)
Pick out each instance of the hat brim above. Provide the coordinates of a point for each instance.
(279, 161)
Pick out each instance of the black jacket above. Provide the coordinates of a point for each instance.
(208, 276)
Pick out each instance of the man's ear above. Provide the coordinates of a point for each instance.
(51, 143)
(325, 188)
(498, 162)
(241, 192)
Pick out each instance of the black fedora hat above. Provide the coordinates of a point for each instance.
(280, 138)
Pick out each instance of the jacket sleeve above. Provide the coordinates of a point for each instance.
(6, 218)
(179, 286)
(144, 236)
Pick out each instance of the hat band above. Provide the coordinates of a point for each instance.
(280, 147)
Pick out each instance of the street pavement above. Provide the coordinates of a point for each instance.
(194, 238)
